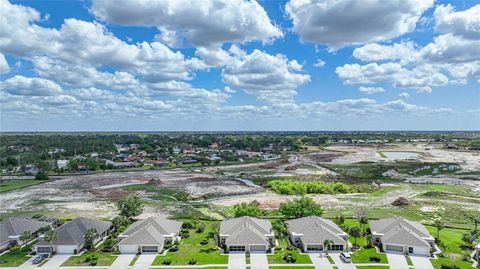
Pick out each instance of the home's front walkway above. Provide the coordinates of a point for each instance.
(397, 261)
(339, 263)
(237, 261)
(55, 261)
(122, 261)
(421, 262)
(320, 261)
(258, 261)
(144, 261)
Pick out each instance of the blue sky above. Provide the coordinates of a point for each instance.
(239, 65)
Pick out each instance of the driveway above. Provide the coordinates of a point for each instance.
(55, 261)
(237, 261)
(28, 264)
(339, 263)
(258, 261)
(421, 262)
(397, 261)
(320, 261)
(144, 261)
(122, 261)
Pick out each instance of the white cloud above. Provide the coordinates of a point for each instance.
(371, 90)
(341, 23)
(20, 85)
(404, 95)
(4, 67)
(319, 63)
(270, 78)
(404, 51)
(201, 23)
(461, 23)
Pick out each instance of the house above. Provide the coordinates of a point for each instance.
(400, 235)
(120, 165)
(148, 235)
(71, 236)
(12, 228)
(309, 234)
(61, 164)
(246, 234)
(156, 163)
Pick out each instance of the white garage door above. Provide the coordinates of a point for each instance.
(128, 249)
(261, 248)
(66, 249)
(393, 248)
(236, 248)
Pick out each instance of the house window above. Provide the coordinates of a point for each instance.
(236, 248)
(336, 247)
(410, 249)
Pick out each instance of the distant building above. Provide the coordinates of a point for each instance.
(61, 164)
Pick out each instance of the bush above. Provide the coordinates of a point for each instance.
(204, 242)
(92, 259)
(184, 233)
(293, 187)
(192, 262)
(26, 248)
(289, 247)
(15, 248)
(168, 246)
(278, 248)
(41, 176)
(288, 258)
(108, 245)
(374, 259)
(187, 225)
(167, 262)
(174, 248)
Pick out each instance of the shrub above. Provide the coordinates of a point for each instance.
(290, 247)
(168, 246)
(167, 262)
(174, 248)
(204, 242)
(292, 187)
(108, 245)
(41, 176)
(192, 262)
(187, 225)
(15, 248)
(278, 248)
(288, 258)
(184, 233)
(374, 259)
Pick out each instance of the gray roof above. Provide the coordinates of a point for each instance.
(245, 230)
(315, 230)
(73, 232)
(146, 235)
(163, 225)
(401, 231)
(16, 226)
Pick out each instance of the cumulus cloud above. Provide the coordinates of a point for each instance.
(341, 23)
(461, 23)
(201, 23)
(319, 63)
(404, 95)
(4, 67)
(404, 51)
(371, 90)
(20, 85)
(270, 78)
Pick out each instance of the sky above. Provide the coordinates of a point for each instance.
(237, 65)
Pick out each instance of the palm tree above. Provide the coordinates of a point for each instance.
(90, 238)
(438, 223)
(326, 245)
(363, 222)
(356, 233)
(25, 237)
(50, 236)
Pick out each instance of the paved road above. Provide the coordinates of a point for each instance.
(258, 261)
(237, 261)
(122, 261)
(397, 261)
(55, 261)
(319, 261)
(421, 262)
(339, 263)
(144, 261)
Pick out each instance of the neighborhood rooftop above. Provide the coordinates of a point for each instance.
(73, 232)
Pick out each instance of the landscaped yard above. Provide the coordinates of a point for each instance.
(10, 185)
(191, 249)
(277, 257)
(104, 259)
(453, 241)
(13, 258)
(363, 255)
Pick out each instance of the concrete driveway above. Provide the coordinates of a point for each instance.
(28, 264)
(144, 261)
(421, 262)
(397, 261)
(320, 261)
(122, 261)
(237, 261)
(258, 261)
(339, 263)
(55, 261)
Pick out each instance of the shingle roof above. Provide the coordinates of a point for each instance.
(73, 232)
(147, 235)
(385, 225)
(246, 230)
(401, 231)
(163, 225)
(316, 230)
(401, 235)
(16, 226)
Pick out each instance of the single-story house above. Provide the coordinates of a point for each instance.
(400, 235)
(71, 236)
(12, 228)
(148, 235)
(309, 234)
(246, 234)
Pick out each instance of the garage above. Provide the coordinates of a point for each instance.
(44, 250)
(313, 248)
(258, 248)
(128, 249)
(394, 248)
(149, 249)
(336, 248)
(236, 248)
(66, 249)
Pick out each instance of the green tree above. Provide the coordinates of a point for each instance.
(130, 206)
(356, 233)
(326, 245)
(439, 224)
(50, 236)
(41, 176)
(339, 219)
(245, 209)
(117, 222)
(299, 208)
(25, 237)
(90, 236)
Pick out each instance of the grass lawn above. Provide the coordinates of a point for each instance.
(190, 248)
(104, 259)
(292, 267)
(454, 248)
(13, 259)
(363, 255)
(10, 185)
(373, 267)
(134, 260)
(277, 257)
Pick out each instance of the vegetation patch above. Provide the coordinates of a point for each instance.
(305, 187)
(10, 185)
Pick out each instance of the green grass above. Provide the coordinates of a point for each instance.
(190, 248)
(330, 260)
(452, 238)
(276, 258)
(292, 267)
(11, 185)
(13, 259)
(104, 259)
(373, 267)
(363, 255)
(134, 260)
